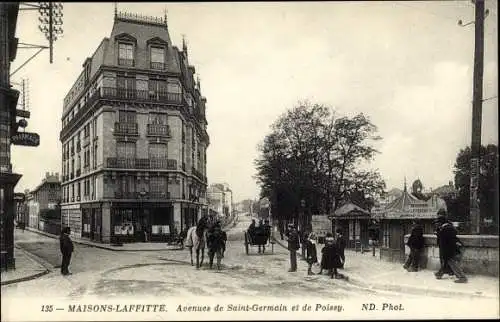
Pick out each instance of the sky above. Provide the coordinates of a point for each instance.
(406, 65)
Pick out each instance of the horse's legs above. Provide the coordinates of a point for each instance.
(197, 258)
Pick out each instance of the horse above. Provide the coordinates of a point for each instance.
(197, 238)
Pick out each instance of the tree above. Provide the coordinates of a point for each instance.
(312, 158)
(488, 186)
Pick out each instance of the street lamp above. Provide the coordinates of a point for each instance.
(51, 22)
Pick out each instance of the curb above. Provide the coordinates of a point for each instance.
(29, 277)
(399, 288)
(77, 241)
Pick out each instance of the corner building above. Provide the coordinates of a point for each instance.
(134, 138)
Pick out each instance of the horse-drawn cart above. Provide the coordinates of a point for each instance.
(260, 240)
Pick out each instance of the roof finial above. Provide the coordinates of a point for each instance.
(184, 46)
(116, 9)
(165, 17)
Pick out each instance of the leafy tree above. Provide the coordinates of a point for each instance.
(488, 186)
(310, 161)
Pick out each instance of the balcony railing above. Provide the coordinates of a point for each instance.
(157, 65)
(126, 128)
(159, 130)
(125, 62)
(150, 96)
(132, 163)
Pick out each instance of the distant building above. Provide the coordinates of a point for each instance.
(446, 191)
(134, 138)
(43, 202)
(220, 199)
(395, 220)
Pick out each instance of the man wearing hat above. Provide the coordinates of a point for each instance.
(293, 246)
(449, 248)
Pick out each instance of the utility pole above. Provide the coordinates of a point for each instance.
(477, 100)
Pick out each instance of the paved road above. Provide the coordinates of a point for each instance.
(104, 273)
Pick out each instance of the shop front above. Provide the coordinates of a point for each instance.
(142, 222)
(92, 221)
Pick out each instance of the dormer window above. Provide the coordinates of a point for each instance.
(157, 58)
(125, 54)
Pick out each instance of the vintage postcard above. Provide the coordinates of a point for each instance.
(249, 161)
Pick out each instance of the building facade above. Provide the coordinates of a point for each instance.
(220, 199)
(43, 204)
(134, 138)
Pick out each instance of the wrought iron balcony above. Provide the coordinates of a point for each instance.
(141, 95)
(125, 62)
(157, 65)
(143, 164)
(126, 128)
(162, 130)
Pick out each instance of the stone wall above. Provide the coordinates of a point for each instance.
(480, 255)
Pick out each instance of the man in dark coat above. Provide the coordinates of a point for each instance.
(215, 244)
(341, 245)
(251, 230)
(293, 246)
(66, 246)
(416, 244)
(449, 250)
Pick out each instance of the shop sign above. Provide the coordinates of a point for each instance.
(26, 139)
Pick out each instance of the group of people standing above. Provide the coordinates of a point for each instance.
(450, 248)
(332, 253)
(260, 234)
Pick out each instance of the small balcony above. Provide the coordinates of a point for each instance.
(161, 130)
(157, 65)
(126, 129)
(125, 62)
(142, 164)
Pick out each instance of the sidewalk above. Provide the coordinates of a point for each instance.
(27, 268)
(129, 247)
(370, 271)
